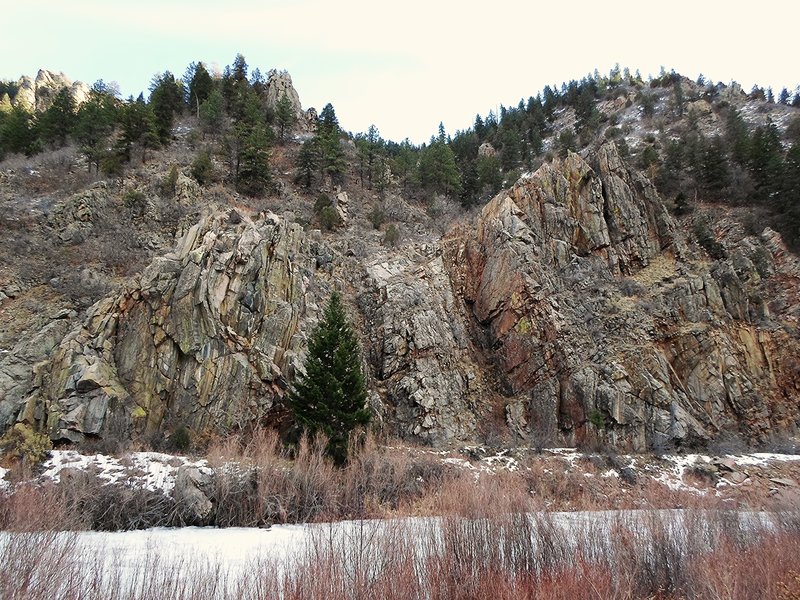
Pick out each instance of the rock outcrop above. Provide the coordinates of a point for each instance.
(572, 310)
(424, 360)
(204, 339)
(38, 94)
(279, 84)
(603, 326)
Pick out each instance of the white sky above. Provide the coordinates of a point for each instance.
(405, 65)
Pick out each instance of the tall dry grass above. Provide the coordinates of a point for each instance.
(646, 554)
(258, 482)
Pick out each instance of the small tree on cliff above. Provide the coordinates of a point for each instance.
(331, 396)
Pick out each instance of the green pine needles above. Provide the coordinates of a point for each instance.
(331, 397)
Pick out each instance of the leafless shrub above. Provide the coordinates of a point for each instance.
(642, 554)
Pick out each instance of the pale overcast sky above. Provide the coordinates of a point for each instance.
(405, 65)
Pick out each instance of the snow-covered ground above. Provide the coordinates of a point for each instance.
(149, 470)
(235, 553)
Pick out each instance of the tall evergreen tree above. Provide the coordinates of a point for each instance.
(95, 123)
(766, 160)
(714, 168)
(138, 129)
(284, 117)
(212, 113)
(18, 132)
(307, 163)
(198, 85)
(437, 169)
(56, 123)
(166, 100)
(254, 174)
(248, 144)
(331, 396)
(332, 161)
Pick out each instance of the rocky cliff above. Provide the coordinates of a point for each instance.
(203, 338)
(603, 324)
(571, 310)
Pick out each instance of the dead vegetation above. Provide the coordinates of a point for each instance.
(490, 554)
(256, 482)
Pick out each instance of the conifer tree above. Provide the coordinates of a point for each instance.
(331, 396)
(332, 162)
(166, 100)
(254, 175)
(198, 85)
(18, 133)
(284, 117)
(95, 122)
(212, 113)
(138, 128)
(437, 169)
(307, 163)
(56, 123)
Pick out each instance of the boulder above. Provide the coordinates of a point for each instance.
(192, 484)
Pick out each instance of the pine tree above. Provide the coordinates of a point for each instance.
(212, 113)
(307, 163)
(714, 168)
(198, 84)
(332, 160)
(285, 117)
(766, 160)
(437, 169)
(166, 100)
(138, 128)
(18, 133)
(331, 396)
(254, 175)
(95, 122)
(56, 123)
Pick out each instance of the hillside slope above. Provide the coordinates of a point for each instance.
(572, 309)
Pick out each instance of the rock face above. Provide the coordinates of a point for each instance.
(572, 310)
(420, 348)
(190, 492)
(16, 373)
(601, 324)
(279, 84)
(487, 150)
(203, 340)
(38, 94)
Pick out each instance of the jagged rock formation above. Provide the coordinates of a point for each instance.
(279, 84)
(601, 324)
(572, 310)
(424, 360)
(38, 94)
(203, 339)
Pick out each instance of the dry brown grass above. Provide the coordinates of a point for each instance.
(708, 556)
(258, 482)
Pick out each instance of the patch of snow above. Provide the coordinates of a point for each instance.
(501, 460)
(4, 485)
(149, 470)
(673, 478)
(609, 473)
(763, 458)
(459, 462)
(568, 454)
